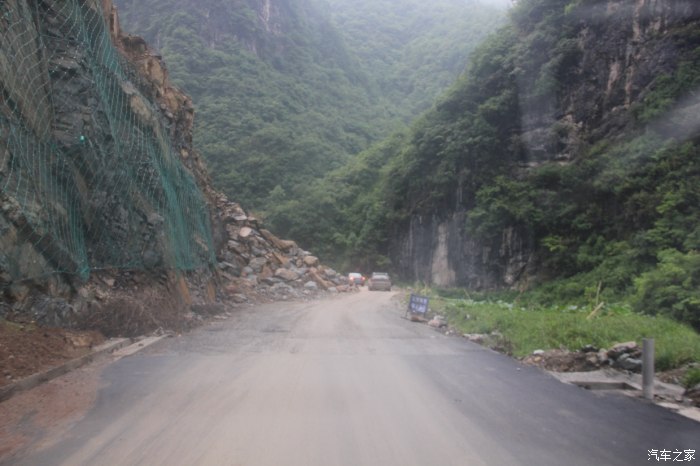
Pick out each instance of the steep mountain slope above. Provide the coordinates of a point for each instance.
(269, 79)
(108, 219)
(567, 155)
(282, 97)
(413, 49)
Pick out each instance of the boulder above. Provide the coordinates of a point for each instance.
(311, 261)
(623, 348)
(629, 363)
(257, 264)
(286, 274)
(283, 261)
(311, 285)
(315, 276)
(438, 322)
(245, 232)
(271, 280)
(589, 349)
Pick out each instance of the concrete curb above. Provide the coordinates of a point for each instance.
(666, 395)
(33, 380)
(136, 346)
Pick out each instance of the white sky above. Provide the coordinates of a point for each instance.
(500, 3)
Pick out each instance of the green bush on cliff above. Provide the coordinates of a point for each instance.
(672, 288)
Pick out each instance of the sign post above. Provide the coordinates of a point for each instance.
(417, 304)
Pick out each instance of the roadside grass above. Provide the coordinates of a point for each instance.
(524, 330)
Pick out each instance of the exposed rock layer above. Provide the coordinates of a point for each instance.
(619, 48)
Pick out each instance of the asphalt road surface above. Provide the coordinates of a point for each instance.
(348, 381)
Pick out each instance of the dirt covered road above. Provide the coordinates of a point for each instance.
(346, 381)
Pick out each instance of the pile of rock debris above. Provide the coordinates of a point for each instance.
(625, 356)
(255, 264)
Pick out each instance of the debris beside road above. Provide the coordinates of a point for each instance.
(258, 266)
(624, 356)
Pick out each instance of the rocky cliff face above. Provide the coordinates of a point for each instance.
(107, 216)
(260, 26)
(607, 60)
(439, 252)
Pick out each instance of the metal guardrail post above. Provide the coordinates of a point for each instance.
(648, 368)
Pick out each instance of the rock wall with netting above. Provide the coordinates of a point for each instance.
(89, 177)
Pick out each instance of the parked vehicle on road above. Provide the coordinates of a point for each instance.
(356, 278)
(379, 281)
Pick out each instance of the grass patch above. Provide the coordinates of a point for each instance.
(525, 330)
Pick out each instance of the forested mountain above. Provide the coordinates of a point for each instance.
(564, 159)
(568, 156)
(413, 49)
(286, 91)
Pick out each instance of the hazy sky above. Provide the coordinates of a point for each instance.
(501, 3)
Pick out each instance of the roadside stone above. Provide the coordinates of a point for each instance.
(311, 285)
(236, 247)
(245, 232)
(271, 281)
(286, 274)
(311, 261)
(629, 363)
(476, 337)
(282, 288)
(558, 360)
(622, 348)
(589, 349)
(287, 245)
(257, 264)
(438, 322)
(592, 359)
(538, 352)
(257, 252)
(315, 276)
(693, 394)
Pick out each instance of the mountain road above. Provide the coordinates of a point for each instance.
(347, 380)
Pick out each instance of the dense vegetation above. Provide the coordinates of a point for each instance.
(282, 100)
(521, 330)
(607, 194)
(612, 212)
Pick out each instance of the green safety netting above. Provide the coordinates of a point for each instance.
(88, 176)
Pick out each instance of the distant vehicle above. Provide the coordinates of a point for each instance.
(379, 281)
(356, 279)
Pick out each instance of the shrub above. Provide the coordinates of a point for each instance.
(672, 288)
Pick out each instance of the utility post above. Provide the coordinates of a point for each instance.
(648, 368)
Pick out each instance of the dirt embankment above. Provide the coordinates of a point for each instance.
(26, 349)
